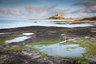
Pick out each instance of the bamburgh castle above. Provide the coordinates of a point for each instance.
(57, 16)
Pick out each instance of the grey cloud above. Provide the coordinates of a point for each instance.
(86, 3)
(53, 6)
(88, 10)
(45, 11)
(9, 11)
(35, 12)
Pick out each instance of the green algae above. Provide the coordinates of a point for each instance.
(82, 60)
(2, 41)
(45, 43)
(18, 48)
(24, 47)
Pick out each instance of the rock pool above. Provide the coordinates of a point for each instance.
(27, 34)
(18, 39)
(2, 33)
(71, 50)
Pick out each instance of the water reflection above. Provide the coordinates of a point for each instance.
(71, 50)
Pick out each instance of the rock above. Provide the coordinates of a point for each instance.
(75, 40)
(36, 56)
(92, 62)
(13, 60)
(90, 39)
(1, 47)
(27, 56)
(27, 53)
(32, 53)
(63, 34)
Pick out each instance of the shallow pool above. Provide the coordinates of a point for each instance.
(27, 34)
(71, 50)
(18, 39)
(2, 33)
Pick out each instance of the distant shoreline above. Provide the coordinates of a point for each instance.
(68, 20)
(56, 19)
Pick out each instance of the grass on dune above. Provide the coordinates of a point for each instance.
(90, 18)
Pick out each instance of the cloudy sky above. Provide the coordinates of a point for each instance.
(40, 9)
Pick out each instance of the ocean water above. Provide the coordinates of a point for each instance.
(23, 23)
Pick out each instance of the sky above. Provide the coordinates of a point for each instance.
(41, 9)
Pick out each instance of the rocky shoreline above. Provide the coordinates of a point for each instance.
(41, 34)
(74, 21)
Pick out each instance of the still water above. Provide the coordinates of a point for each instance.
(23, 23)
(70, 50)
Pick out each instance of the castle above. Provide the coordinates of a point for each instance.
(57, 16)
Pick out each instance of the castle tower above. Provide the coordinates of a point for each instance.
(57, 16)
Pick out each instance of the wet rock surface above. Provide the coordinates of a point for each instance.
(41, 34)
(47, 33)
(31, 57)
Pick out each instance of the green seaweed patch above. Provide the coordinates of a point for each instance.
(4, 50)
(8, 32)
(81, 60)
(2, 41)
(65, 43)
(18, 48)
(45, 43)
(94, 36)
(43, 54)
(91, 49)
(90, 18)
(21, 47)
(67, 34)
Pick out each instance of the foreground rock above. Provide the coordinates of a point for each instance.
(27, 56)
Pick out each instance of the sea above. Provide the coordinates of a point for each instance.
(26, 23)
